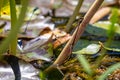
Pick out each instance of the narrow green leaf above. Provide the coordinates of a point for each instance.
(113, 20)
(85, 64)
(115, 16)
(13, 13)
(109, 71)
(73, 17)
(13, 45)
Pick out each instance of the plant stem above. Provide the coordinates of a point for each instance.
(73, 17)
(13, 45)
(66, 52)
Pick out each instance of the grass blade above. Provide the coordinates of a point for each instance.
(113, 19)
(109, 71)
(13, 45)
(73, 17)
(85, 64)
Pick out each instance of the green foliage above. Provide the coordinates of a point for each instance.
(16, 23)
(13, 33)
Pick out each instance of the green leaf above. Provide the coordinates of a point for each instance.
(100, 28)
(90, 49)
(82, 43)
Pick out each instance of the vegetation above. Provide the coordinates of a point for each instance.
(79, 66)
